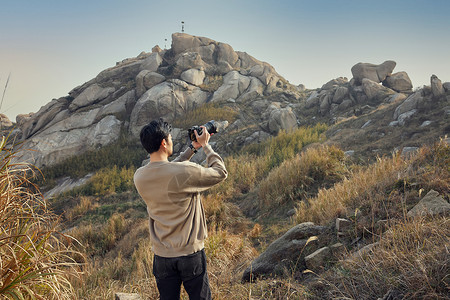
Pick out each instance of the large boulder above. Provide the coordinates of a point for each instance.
(409, 104)
(313, 100)
(376, 73)
(375, 92)
(182, 42)
(93, 94)
(167, 100)
(47, 115)
(282, 119)
(436, 86)
(146, 80)
(285, 252)
(234, 84)
(340, 94)
(5, 121)
(399, 82)
(193, 76)
(334, 83)
(70, 137)
(152, 62)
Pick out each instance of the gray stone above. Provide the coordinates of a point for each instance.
(182, 42)
(91, 95)
(408, 151)
(117, 107)
(167, 100)
(287, 250)
(189, 60)
(436, 86)
(193, 76)
(334, 83)
(396, 98)
(234, 84)
(23, 118)
(152, 62)
(282, 119)
(446, 86)
(409, 104)
(226, 53)
(346, 104)
(399, 82)
(426, 123)
(340, 94)
(66, 184)
(127, 296)
(337, 249)
(5, 121)
(375, 91)
(366, 124)
(405, 116)
(343, 225)
(325, 103)
(317, 259)
(364, 251)
(349, 153)
(376, 73)
(431, 204)
(313, 100)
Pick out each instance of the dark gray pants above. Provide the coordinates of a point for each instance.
(189, 270)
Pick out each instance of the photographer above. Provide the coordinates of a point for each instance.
(171, 191)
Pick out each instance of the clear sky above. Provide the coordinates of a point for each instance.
(52, 46)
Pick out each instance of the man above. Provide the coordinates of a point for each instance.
(171, 191)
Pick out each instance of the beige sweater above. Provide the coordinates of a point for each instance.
(171, 191)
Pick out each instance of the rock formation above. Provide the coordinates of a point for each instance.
(163, 83)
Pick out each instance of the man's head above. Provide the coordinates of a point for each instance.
(154, 133)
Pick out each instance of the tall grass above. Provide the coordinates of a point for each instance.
(383, 188)
(411, 260)
(36, 261)
(296, 178)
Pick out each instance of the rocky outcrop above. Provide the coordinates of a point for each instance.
(376, 73)
(167, 100)
(5, 121)
(290, 248)
(436, 87)
(162, 83)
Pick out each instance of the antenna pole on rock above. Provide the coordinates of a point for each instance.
(182, 26)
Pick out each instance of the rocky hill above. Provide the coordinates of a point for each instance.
(373, 110)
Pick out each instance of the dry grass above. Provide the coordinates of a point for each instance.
(295, 178)
(411, 260)
(36, 261)
(386, 186)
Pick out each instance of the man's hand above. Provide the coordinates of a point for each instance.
(203, 139)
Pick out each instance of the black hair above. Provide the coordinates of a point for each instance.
(153, 133)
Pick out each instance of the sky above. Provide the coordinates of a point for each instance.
(48, 47)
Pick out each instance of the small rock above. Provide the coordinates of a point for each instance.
(407, 151)
(317, 259)
(425, 123)
(349, 152)
(431, 204)
(366, 124)
(342, 224)
(127, 296)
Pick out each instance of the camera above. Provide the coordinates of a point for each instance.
(210, 126)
